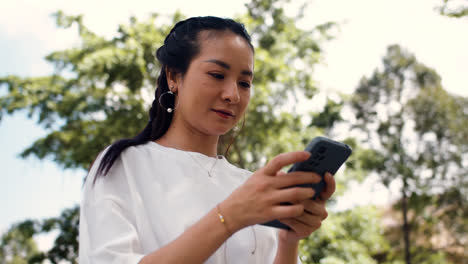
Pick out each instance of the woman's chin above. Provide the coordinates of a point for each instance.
(221, 131)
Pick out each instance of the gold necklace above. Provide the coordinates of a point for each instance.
(251, 227)
(214, 164)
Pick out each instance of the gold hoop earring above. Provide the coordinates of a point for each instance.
(170, 93)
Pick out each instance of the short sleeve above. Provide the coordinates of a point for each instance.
(107, 228)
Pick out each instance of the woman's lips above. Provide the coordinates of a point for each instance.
(224, 113)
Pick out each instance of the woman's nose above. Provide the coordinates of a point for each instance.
(231, 92)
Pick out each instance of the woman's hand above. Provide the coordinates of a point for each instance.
(312, 217)
(263, 196)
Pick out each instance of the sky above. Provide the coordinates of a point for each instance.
(31, 188)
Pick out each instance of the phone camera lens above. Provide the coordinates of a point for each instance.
(322, 149)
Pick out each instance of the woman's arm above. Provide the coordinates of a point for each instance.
(195, 245)
(258, 200)
(304, 225)
(286, 253)
(112, 236)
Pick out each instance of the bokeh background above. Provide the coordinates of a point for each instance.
(387, 77)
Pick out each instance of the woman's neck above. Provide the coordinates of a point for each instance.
(185, 139)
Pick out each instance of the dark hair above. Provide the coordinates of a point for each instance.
(180, 47)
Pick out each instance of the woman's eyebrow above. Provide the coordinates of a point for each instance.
(227, 66)
(220, 63)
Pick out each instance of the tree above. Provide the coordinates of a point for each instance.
(17, 244)
(101, 90)
(439, 226)
(417, 131)
(453, 8)
(352, 236)
(66, 243)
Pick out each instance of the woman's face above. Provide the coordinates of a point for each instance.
(215, 91)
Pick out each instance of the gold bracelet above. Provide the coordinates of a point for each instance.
(221, 218)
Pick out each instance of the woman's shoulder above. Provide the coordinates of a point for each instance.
(128, 159)
(149, 149)
(245, 173)
(136, 153)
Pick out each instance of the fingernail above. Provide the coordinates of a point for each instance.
(312, 193)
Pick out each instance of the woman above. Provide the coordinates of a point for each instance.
(165, 196)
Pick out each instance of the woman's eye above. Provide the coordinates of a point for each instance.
(217, 76)
(245, 84)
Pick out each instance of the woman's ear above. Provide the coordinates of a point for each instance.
(173, 79)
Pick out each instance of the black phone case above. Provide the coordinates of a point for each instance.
(326, 156)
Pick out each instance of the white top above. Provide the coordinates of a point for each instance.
(150, 196)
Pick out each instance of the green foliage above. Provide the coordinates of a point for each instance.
(102, 88)
(329, 116)
(285, 56)
(418, 135)
(17, 244)
(353, 236)
(439, 224)
(418, 130)
(66, 243)
(453, 8)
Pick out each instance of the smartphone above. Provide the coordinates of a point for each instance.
(327, 155)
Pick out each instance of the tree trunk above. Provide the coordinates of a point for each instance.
(406, 227)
